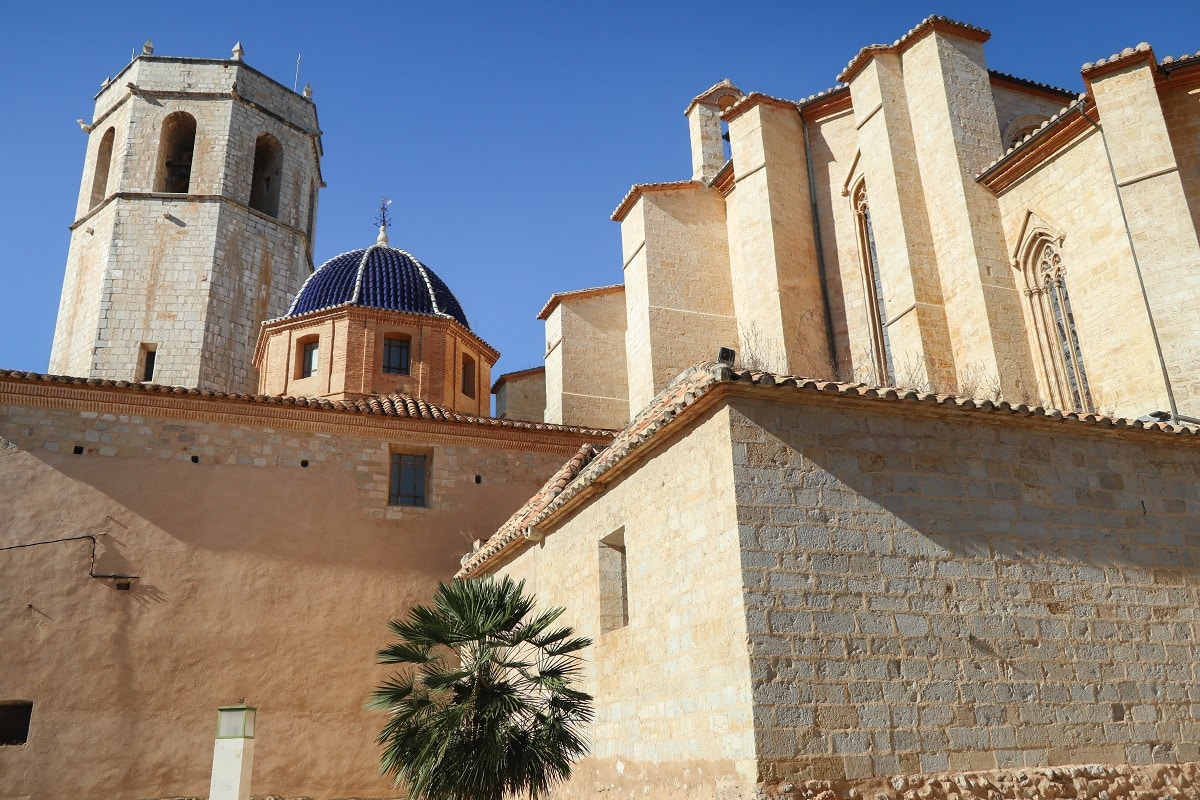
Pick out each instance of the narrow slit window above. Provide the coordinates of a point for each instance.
(396, 355)
(614, 582)
(14, 722)
(149, 359)
(408, 480)
(468, 375)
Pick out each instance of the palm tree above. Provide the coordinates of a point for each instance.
(485, 708)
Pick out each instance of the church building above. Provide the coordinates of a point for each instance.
(893, 492)
(905, 502)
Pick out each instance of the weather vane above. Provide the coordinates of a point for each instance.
(382, 218)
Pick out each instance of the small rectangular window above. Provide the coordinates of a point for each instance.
(14, 722)
(308, 360)
(395, 356)
(408, 480)
(149, 356)
(614, 582)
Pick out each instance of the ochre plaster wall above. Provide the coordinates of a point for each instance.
(672, 687)
(258, 578)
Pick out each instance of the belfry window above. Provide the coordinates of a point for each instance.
(103, 163)
(407, 486)
(395, 355)
(175, 149)
(1062, 356)
(881, 348)
(268, 175)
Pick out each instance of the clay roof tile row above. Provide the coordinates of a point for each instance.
(702, 378)
(915, 32)
(393, 405)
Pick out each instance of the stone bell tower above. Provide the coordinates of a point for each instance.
(194, 224)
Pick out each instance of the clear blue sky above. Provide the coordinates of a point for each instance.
(505, 132)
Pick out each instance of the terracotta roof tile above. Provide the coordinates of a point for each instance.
(921, 28)
(393, 405)
(1057, 119)
(1116, 58)
(638, 189)
(672, 403)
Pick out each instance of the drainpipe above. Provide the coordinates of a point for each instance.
(1112, 170)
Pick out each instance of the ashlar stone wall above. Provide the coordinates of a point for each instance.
(930, 592)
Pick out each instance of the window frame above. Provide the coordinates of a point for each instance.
(406, 367)
(468, 384)
(397, 461)
(308, 357)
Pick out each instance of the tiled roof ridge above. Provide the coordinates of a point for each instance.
(752, 99)
(1056, 119)
(696, 381)
(392, 405)
(513, 529)
(558, 297)
(812, 98)
(1116, 58)
(914, 33)
(1179, 61)
(1038, 84)
(637, 189)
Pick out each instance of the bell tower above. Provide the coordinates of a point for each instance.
(194, 224)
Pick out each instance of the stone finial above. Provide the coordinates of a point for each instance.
(148, 47)
(238, 51)
(308, 90)
(382, 238)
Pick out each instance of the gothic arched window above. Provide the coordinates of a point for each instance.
(1054, 320)
(881, 349)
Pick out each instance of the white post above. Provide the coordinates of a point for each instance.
(233, 754)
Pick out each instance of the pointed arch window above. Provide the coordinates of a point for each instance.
(881, 347)
(1054, 321)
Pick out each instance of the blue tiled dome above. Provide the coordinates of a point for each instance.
(377, 277)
